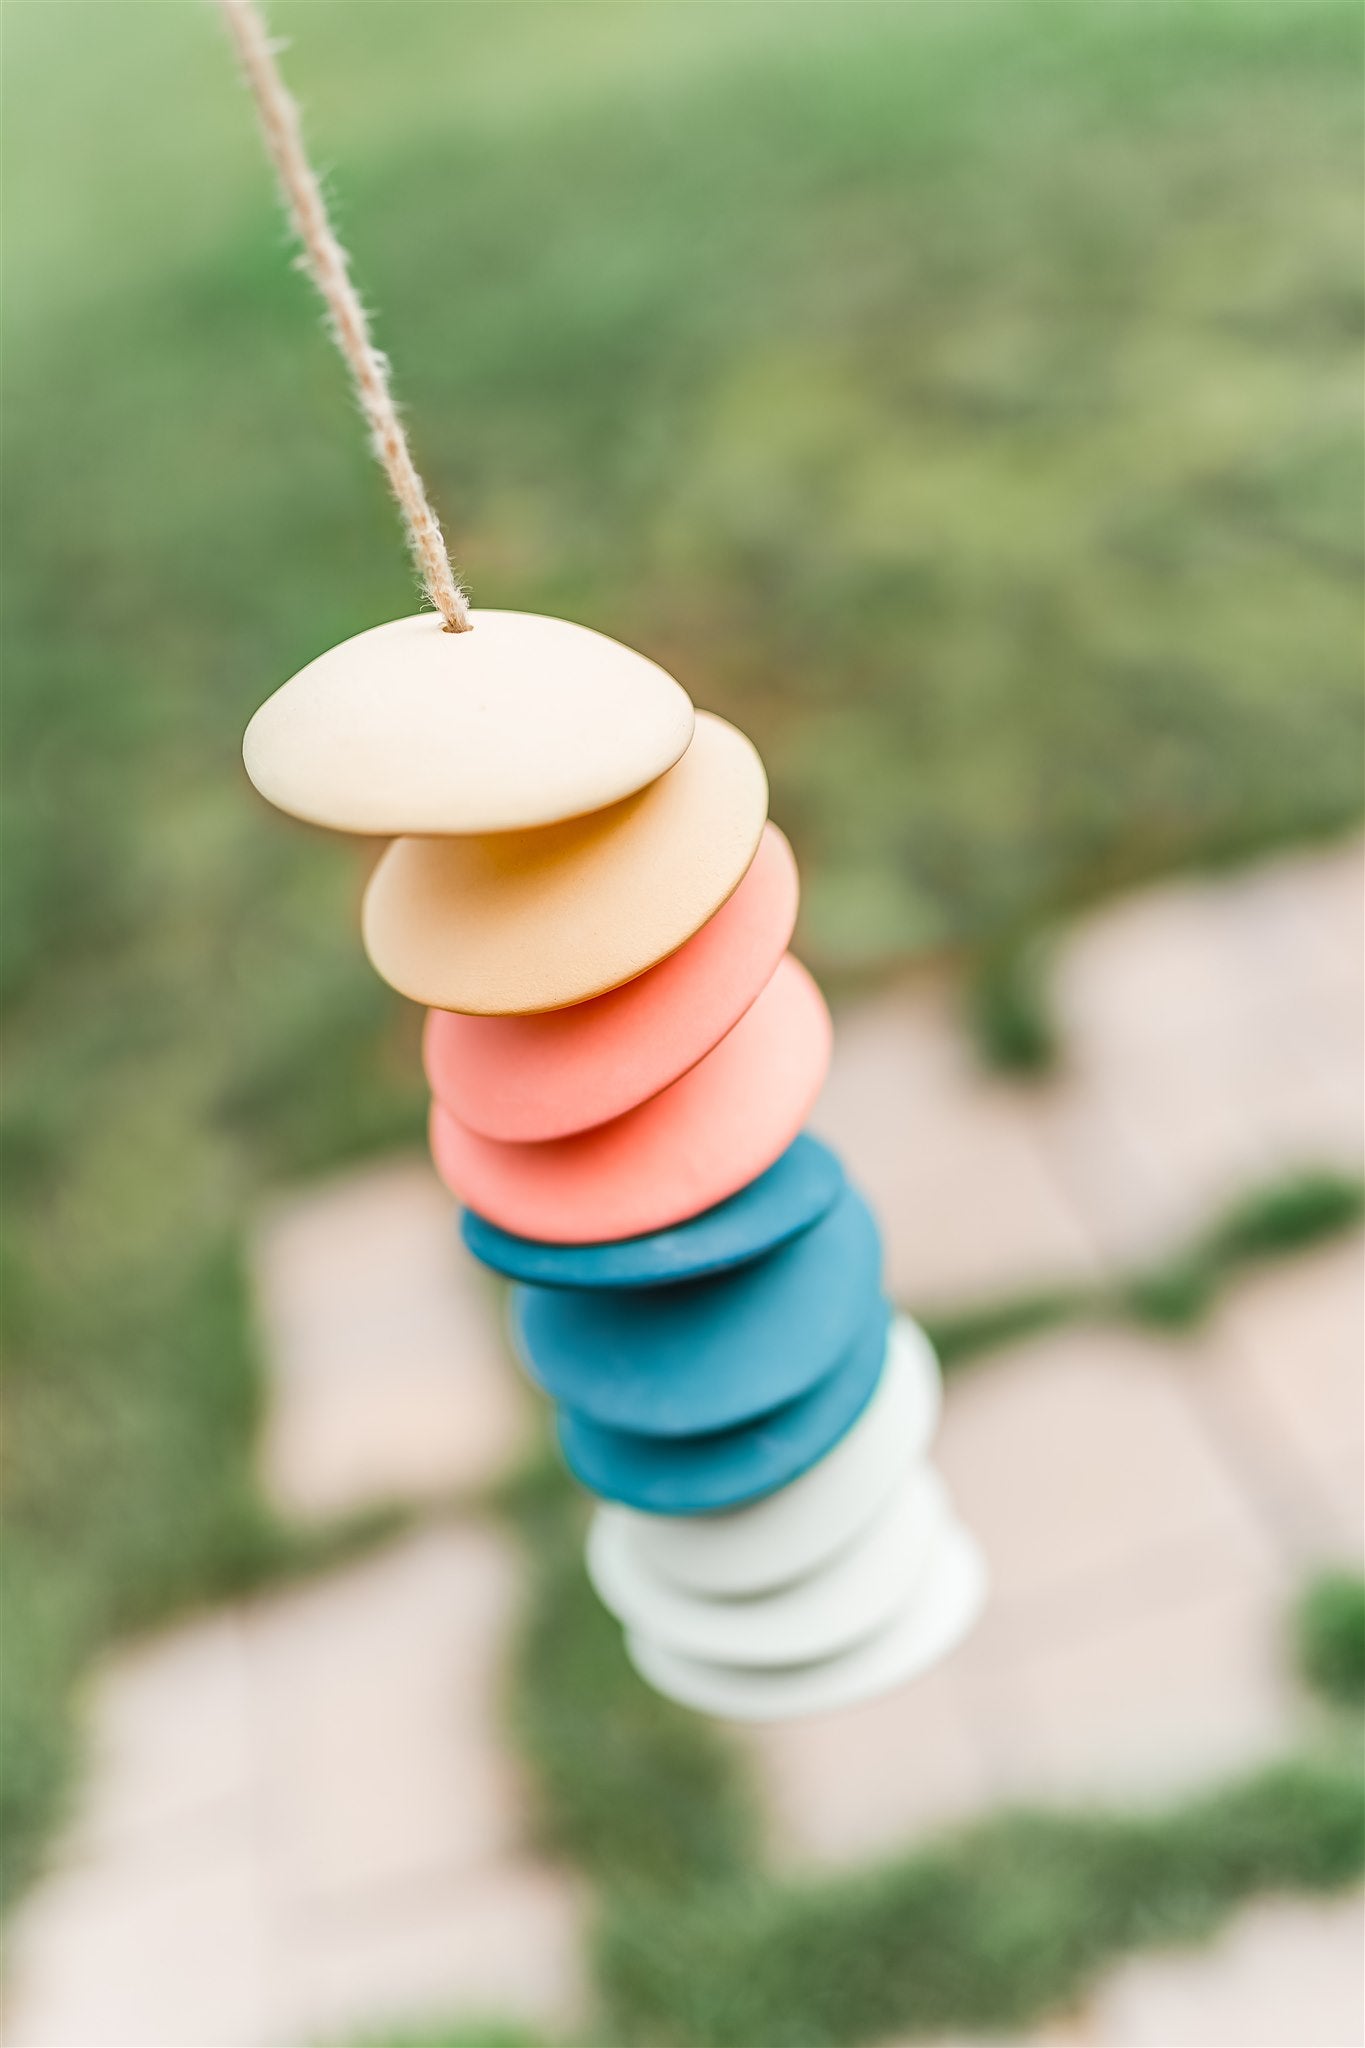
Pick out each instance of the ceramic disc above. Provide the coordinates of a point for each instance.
(683, 1151)
(708, 1355)
(693, 1475)
(794, 1193)
(792, 1531)
(522, 721)
(853, 1596)
(513, 921)
(936, 1617)
(547, 1075)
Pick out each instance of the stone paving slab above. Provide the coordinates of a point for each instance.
(953, 1158)
(1211, 1040)
(1150, 1701)
(1212, 1028)
(504, 1942)
(846, 1788)
(1134, 1642)
(1080, 1462)
(145, 1950)
(1286, 1974)
(389, 1376)
(378, 1735)
(1283, 1381)
(170, 1748)
(346, 1848)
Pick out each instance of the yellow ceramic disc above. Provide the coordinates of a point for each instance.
(520, 921)
(522, 721)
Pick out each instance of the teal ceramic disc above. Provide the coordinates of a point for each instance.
(794, 1193)
(697, 1475)
(709, 1354)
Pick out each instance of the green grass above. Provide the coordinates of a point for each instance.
(986, 1930)
(1008, 1010)
(1268, 1223)
(635, 1792)
(1330, 1629)
(964, 399)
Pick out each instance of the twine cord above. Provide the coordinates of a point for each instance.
(327, 262)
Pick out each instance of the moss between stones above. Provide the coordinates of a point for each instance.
(1330, 1637)
(1282, 1217)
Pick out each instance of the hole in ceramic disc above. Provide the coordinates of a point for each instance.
(685, 1150)
(527, 1078)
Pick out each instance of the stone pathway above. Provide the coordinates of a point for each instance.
(1148, 1517)
(301, 1818)
(389, 1374)
(301, 1822)
(1211, 1036)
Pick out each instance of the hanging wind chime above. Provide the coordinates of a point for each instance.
(584, 890)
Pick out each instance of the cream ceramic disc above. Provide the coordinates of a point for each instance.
(522, 721)
(684, 1150)
(854, 1595)
(937, 1615)
(518, 921)
(524, 1079)
(789, 1533)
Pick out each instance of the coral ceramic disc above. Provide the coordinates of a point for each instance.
(688, 1361)
(696, 1475)
(791, 1532)
(533, 1077)
(938, 1613)
(522, 721)
(681, 1152)
(849, 1598)
(794, 1193)
(516, 921)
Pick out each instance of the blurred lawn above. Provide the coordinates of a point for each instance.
(966, 399)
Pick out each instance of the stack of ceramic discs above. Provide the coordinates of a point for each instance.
(583, 889)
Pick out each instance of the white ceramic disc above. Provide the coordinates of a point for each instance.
(936, 1617)
(840, 1603)
(506, 922)
(521, 721)
(789, 1532)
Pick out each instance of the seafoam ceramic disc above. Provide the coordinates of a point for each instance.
(507, 922)
(693, 1475)
(681, 1152)
(688, 1361)
(852, 1597)
(520, 722)
(792, 1531)
(544, 1076)
(793, 1194)
(936, 1617)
